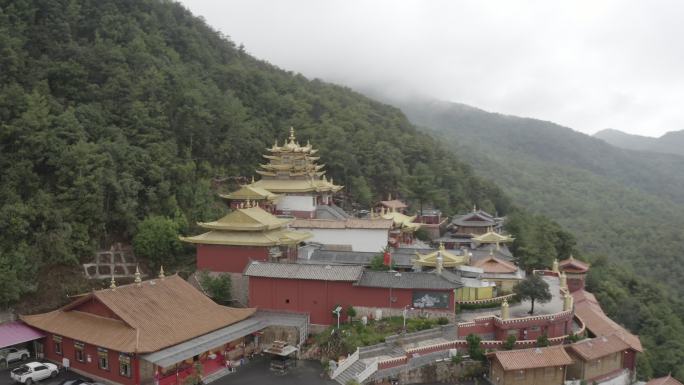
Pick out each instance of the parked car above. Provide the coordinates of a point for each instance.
(34, 371)
(13, 354)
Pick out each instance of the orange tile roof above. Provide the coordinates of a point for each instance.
(157, 314)
(574, 265)
(533, 358)
(598, 347)
(492, 264)
(664, 381)
(589, 311)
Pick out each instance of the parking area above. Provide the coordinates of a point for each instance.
(5, 378)
(257, 372)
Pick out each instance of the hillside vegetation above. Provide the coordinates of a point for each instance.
(620, 204)
(116, 111)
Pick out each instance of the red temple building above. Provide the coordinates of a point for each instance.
(318, 289)
(141, 333)
(246, 234)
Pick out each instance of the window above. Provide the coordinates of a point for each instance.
(57, 341)
(103, 358)
(520, 375)
(78, 351)
(124, 365)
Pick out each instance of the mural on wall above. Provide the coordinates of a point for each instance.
(430, 300)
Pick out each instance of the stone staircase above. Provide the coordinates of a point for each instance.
(351, 372)
(330, 212)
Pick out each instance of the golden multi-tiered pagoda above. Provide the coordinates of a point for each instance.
(247, 233)
(292, 168)
(292, 172)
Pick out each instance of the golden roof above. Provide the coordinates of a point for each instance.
(247, 219)
(291, 145)
(493, 237)
(297, 185)
(448, 259)
(400, 220)
(252, 192)
(150, 316)
(252, 238)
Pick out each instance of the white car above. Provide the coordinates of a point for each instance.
(34, 371)
(13, 354)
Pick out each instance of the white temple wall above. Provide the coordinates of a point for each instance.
(296, 203)
(367, 240)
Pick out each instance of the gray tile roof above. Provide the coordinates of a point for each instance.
(403, 260)
(410, 280)
(303, 271)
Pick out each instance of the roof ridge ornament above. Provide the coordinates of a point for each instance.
(112, 283)
(138, 279)
(292, 134)
(161, 272)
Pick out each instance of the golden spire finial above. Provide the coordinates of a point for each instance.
(252, 179)
(112, 283)
(275, 144)
(292, 134)
(474, 208)
(161, 272)
(138, 278)
(441, 245)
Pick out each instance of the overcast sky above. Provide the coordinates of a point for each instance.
(588, 65)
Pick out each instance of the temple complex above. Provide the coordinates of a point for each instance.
(292, 171)
(247, 233)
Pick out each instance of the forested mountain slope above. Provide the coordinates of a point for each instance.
(621, 204)
(112, 111)
(670, 143)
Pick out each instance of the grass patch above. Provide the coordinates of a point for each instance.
(334, 343)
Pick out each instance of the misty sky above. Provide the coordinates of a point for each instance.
(588, 65)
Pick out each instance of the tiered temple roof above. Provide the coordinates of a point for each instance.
(250, 226)
(477, 218)
(449, 259)
(251, 192)
(292, 168)
(493, 237)
(573, 265)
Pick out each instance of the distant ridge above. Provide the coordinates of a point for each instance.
(670, 143)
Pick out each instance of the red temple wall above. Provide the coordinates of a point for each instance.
(232, 259)
(91, 368)
(318, 297)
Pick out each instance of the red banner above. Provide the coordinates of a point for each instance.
(387, 258)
